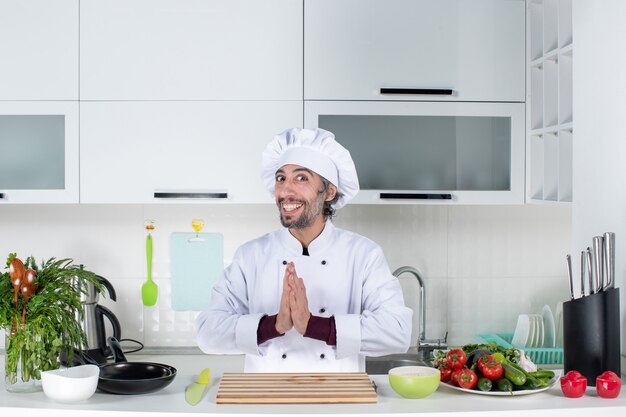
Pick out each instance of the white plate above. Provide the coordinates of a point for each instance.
(552, 381)
(522, 331)
(540, 331)
(559, 325)
(549, 327)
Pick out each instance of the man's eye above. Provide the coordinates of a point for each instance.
(280, 179)
(302, 178)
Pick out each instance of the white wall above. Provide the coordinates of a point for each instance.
(599, 137)
(482, 265)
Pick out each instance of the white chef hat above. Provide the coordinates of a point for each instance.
(317, 150)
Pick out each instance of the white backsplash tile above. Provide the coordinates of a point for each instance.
(482, 265)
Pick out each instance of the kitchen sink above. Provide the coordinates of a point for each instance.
(382, 364)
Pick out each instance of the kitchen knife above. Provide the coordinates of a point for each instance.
(590, 271)
(568, 259)
(597, 262)
(609, 256)
(195, 391)
(583, 271)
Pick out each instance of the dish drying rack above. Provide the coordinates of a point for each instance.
(540, 356)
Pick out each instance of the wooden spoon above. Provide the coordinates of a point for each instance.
(29, 287)
(16, 274)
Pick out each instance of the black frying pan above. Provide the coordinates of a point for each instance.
(123, 377)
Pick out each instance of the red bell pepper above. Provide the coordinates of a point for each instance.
(573, 384)
(608, 384)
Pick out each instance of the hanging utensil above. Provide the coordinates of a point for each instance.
(597, 262)
(609, 256)
(149, 289)
(568, 260)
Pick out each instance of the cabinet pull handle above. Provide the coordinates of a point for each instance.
(2, 196)
(184, 194)
(419, 91)
(415, 196)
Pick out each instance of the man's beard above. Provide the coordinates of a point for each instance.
(311, 210)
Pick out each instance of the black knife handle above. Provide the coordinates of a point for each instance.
(415, 196)
(2, 196)
(418, 91)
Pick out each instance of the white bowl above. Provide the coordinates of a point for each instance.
(70, 384)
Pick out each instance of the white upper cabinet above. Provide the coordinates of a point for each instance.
(39, 148)
(168, 151)
(39, 50)
(464, 50)
(191, 50)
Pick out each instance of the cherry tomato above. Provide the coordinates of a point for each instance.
(468, 379)
(573, 384)
(608, 384)
(445, 372)
(490, 368)
(456, 374)
(456, 358)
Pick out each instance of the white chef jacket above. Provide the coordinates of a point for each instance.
(345, 275)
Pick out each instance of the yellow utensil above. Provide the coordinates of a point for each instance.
(195, 391)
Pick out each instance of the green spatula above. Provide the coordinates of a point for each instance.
(195, 391)
(149, 290)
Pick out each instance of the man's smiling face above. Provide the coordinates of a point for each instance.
(300, 196)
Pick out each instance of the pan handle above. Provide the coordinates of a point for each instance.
(116, 349)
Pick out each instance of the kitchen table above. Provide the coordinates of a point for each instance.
(171, 400)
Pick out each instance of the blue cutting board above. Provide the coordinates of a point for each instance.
(195, 265)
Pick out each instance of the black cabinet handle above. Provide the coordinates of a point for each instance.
(2, 195)
(415, 196)
(420, 91)
(208, 195)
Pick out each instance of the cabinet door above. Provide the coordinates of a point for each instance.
(147, 152)
(355, 48)
(39, 148)
(39, 50)
(429, 152)
(191, 50)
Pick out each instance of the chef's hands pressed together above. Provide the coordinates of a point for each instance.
(294, 307)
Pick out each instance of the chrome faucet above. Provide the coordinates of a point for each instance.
(424, 346)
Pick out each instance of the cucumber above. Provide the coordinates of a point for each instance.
(513, 374)
(484, 384)
(504, 385)
(542, 373)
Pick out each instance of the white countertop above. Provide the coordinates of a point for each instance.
(171, 400)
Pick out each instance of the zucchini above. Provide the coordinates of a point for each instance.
(513, 374)
(484, 384)
(504, 385)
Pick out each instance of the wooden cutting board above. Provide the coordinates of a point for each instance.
(296, 388)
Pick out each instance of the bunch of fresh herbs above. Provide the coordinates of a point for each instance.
(53, 319)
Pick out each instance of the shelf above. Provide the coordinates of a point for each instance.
(550, 113)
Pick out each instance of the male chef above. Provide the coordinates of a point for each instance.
(310, 296)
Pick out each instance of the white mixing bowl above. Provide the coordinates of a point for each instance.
(70, 384)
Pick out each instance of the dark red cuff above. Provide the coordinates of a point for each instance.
(322, 328)
(267, 329)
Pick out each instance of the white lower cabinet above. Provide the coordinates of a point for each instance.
(39, 148)
(155, 152)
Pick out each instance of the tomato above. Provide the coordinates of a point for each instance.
(468, 379)
(573, 384)
(445, 372)
(490, 368)
(456, 374)
(608, 384)
(456, 358)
